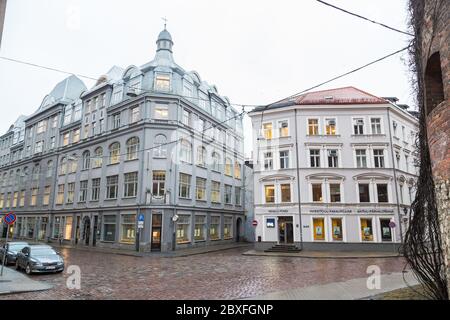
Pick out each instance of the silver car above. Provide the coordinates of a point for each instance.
(39, 259)
(11, 248)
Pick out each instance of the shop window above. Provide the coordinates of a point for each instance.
(366, 229)
(127, 225)
(68, 228)
(200, 228)
(214, 228)
(109, 228)
(336, 225)
(183, 228)
(319, 228)
(386, 232)
(228, 228)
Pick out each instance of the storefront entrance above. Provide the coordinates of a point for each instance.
(386, 232)
(86, 230)
(285, 230)
(156, 231)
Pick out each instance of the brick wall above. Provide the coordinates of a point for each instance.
(435, 46)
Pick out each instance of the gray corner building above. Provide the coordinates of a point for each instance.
(152, 143)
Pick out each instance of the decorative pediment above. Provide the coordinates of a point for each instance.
(324, 175)
(372, 175)
(275, 177)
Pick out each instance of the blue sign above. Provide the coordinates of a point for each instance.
(10, 218)
(270, 223)
(141, 217)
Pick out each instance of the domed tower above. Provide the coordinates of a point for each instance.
(164, 41)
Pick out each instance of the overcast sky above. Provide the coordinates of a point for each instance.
(254, 51)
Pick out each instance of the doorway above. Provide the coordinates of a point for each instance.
(238, 229)
(77, 230)
(386, 231)
(86, 230)
(94, 238)
(285, 230)
(156, 231)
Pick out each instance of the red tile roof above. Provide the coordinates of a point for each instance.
(346, 95)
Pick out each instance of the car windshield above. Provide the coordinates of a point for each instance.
(16, 247)
(42, 252)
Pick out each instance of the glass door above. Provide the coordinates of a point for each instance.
(156, 231)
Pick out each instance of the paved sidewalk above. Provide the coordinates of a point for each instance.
(355, 289)
(16, 282)
(325, 254)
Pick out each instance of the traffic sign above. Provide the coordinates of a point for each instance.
(392, 224)
(10, 218)
(140, 224)
(141, 217)
(255, 223)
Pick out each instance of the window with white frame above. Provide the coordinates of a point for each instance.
(200, 228)
(98, 157)
(186, 151)
(237, 170)
(132, 148)
(159, 182)
(237, 196)
(358, 126)
(314, 158)
(214, 228)
(70, 192)
(285, 189)
(317, 192)
(215, 161)
(185, 186)
(335, 192)
(215, 191)
(283, 127)
(364, 193)
(83, 191)
(200, 189)
(114, 153)
(112, 187)
(127, 228)
(201, 156)
(269, 193)
(227, 227)
(330, 126)
(183, 228)
(115, 121)
(382, 192)
(378, 158)
(95, 193)
(268, 160)
(313, 127)
(130, 184)
(86, 164)
(333, 161)
(109, 228)
(186, 118)
(41, 126)
(161, 112)
(160, 150)
(284, 159)
(361, 158)
(228, 192)
(162, 82)
(375, 124)
(135, 115)
(228, 166)
(268, 130)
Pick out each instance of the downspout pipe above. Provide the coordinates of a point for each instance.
(298, 181)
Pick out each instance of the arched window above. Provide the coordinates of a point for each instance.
(237, 170)
(86, 160)
(215, 161)
(63, 166)
(228, 166)
(434, 88)
(132, 148)
(114, 153)
(18, 174)
(160, 150)
(73, 163)
(36, 171)
(98, 159)
(201, 156)
(186, 151)
(49, 169)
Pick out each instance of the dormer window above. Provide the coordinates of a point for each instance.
(162, 82)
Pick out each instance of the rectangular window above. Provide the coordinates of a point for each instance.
(52, 143)
(314, 156)
(161, 112)
(335, 192)
(364, 195)
(382, 192)
(336, 225)
(200, 190)
(185, 186)
(135, 115)
(375, 124)
(228, 227)
(237, 196)
(60, 196)
(267, 128)
(66, 137)
(269, 193)
(95, 194)
(83, 190)
(109, 228)
(34, 193)
(112, 185)
(332, 158)
(317, 192)
(22, 198)
(159, 181)
(76, 135)
(215, 191)
(358, 126)
(378, 158)
(366, 229)
(284, 159)
(283, 128)
(127, 228)
(68, 228)
(319, 228)
(214, 228)
(361, 158)
(313, 127)
(386, 232)
(200, 228)
(46, 199)
(15, 199)
(183, 229)
(38, 146)
(70, 192)
(55, 122)
(130, 184)
(285, 192)
(330, 126)
(228, 191)
(268, 161)
(186, 120)
(162, 82)
(116, 121)
(41, 126)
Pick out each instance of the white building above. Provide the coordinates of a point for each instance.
(352, 156)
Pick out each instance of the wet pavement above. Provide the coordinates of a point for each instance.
(216, 275)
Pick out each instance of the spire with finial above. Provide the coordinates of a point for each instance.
(164, 41)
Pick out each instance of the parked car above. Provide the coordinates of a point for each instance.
(11, 248)
(39, 259)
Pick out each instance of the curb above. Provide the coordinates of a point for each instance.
(320, 257)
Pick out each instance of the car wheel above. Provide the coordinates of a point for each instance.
(17, 265)
(28, 269)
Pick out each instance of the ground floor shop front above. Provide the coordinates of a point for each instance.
(134, 229)
(343, 228)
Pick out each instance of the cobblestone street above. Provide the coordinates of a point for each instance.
(217, 275)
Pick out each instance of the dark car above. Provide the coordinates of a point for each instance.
(39, 259)
(12, 248)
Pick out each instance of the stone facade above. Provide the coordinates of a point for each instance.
(436, 74)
